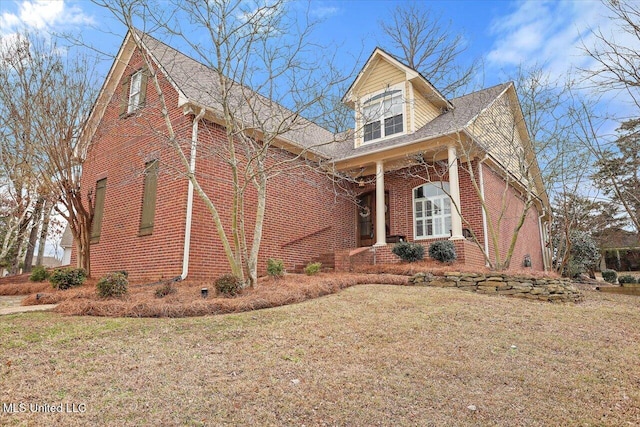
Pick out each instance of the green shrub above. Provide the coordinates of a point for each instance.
(113, 285)
(312, 268)
(275, 268)
(583, 253)
(627, 278)
(443, 251)
(229, 285)
(609, 276)
(65, 278)
(39, 274)
(408, 251)
(166, 289)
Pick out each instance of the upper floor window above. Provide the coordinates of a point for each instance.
(134, 91)
(432, 210)
(383, 115)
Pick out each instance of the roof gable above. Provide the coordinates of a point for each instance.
(198, 85)
(407, 73)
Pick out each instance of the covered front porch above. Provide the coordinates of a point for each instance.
(400, 200)
(393, 206)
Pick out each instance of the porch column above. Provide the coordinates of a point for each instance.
(381, 232)
(454, 189)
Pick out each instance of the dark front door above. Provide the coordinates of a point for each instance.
(367, 218)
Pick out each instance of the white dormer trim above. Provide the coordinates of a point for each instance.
(412, 107)
(429, 91)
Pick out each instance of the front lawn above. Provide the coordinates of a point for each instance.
(368, 355)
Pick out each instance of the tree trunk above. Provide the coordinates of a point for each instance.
(33, 234)
(22, 230)
(43, 233)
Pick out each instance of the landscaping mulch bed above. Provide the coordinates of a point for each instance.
(186, 301)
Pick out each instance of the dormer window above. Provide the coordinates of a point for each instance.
(382, 115)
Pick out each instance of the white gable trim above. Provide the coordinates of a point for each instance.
(410, 75)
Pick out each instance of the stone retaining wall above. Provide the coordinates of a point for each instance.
(544, 289)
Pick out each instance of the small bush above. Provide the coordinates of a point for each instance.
(275, 268)
(583, 253)
(65, 278)
(627, 278)
(166, 289)
(443, 251)
(312, 268)
(39, 274)
(229, 285)
(609, 276)
(408, 251)
(113, 285)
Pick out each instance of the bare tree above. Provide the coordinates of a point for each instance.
(617, 69)
(616, 56)
(56, 95)
(264, 88)
(17, 153)
(618, 171)
(417, 37)
(557, 115)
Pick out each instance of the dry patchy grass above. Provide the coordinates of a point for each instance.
(369, 355)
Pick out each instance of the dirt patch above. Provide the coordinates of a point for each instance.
(11, 301)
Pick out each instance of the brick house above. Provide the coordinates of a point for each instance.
(413, 154)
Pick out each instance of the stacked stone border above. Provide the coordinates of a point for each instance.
(543, 289)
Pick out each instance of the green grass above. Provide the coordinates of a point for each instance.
(369, 355)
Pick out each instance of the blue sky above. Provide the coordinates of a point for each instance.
(504, 33)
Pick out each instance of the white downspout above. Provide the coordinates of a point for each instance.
(484, 213)
(192, 168)
(543, 239)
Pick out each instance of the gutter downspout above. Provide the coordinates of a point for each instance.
(543, 239)
(192, 169)
(484, 213)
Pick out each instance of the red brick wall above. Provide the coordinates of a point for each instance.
(119, 151)
(304, 216)
(528, 242)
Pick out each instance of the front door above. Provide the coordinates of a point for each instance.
(367, 218)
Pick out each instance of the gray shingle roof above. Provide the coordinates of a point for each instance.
(466, 108)
(200, 84)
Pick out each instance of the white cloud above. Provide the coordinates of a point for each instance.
(545, 32)
(553, 34)
(42, 15)
(323, 12)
